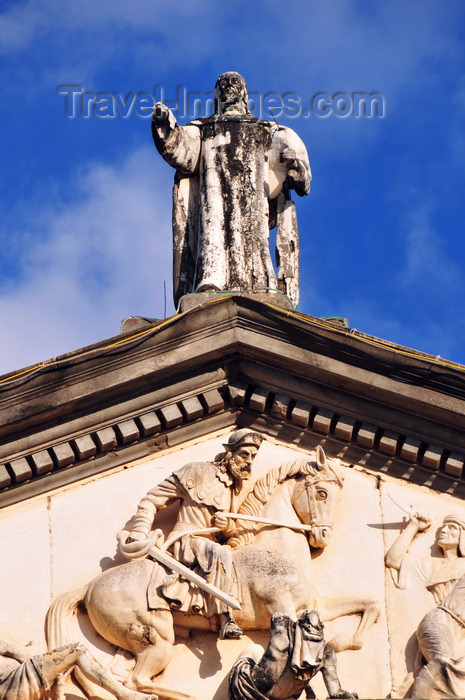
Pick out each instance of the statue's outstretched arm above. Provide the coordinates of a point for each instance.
(178, 145)
(400, 546)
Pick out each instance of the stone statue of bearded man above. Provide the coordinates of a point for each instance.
(234, 174)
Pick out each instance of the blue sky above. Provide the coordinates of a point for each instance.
(86, 202)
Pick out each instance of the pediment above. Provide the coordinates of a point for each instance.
(85, 436)
(237, 361)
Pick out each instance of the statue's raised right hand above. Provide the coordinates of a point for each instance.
(421, 521)
(160, 114)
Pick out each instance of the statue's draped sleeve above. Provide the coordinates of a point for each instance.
(180, 146)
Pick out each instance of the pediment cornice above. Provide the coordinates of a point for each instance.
(237, 361)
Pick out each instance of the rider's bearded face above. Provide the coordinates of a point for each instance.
(240, 464)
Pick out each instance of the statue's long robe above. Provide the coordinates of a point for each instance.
(228, 170)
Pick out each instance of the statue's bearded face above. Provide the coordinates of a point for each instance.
(240, 463)
(231, 90)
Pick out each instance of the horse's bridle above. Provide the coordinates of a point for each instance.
(308, 484)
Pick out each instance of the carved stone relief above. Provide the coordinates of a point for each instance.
(153, 631)
(25, 677)
(296, 652)
(439, 669)
(226, 544)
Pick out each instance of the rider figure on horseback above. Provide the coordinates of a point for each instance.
(204, 489)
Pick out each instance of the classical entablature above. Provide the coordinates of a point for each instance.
(235, 361)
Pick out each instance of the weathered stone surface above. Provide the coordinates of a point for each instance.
(63, 454)
(322, 421)
(43, 462)
(232, 169)
(106, 439)
(432, 457)
(344, 428)
(21, 469)
(237, 392)
(279, 406)
(269, 671)
(308, 363)
(426, 581)
(25, 580)
(192, 408)
(5, 478)
(85, 447)
(171, 415)
(257, 401)
(128, 431)
(24, 676)
(410, 449)
(192, 301)
(454, 464)
(388, 442)
(213, 400)
(133, 324)
(300, 414)
(366, 523)
(150, 424)
(277, 544)
(366, 435)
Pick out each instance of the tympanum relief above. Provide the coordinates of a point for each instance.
(236, 555)
(240, 548)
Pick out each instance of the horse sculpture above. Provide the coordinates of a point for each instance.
(273, 566)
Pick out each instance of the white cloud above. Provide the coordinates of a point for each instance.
(100, 257)
(426, 262)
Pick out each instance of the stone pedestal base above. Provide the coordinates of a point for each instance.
(191, 301)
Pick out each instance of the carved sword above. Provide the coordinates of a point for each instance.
(410, 511)
(176, 566)
(169, 561)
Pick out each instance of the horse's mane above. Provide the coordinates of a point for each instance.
(262, 492)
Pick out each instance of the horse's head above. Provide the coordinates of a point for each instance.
(315, 495)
